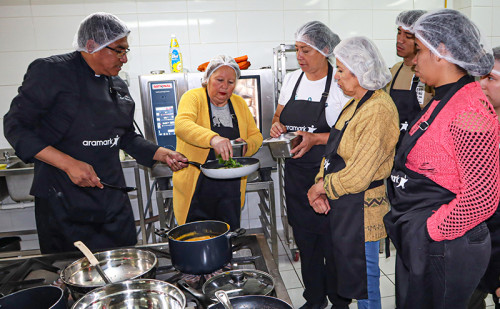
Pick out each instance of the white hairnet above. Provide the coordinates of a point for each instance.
(406, 19)
(450, 35)
(361, 56)
(496, 55)
(318, 36)
(217, 62)
(102, 28)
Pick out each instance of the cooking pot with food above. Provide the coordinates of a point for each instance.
(119, 265)
(201, 247)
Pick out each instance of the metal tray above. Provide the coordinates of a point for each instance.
(281, 146)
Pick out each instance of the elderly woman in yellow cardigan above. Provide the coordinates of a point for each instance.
(208, 119)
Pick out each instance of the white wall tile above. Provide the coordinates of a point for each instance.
(295, 19)
(349, 23)
(220, 27)
(111, 6)
(487, 3)
(211, 5)
(400, 5)
(429, 4)
(153, 58)
(306, 5)
(495, 26)
(7, 93)
(201, 53)
(466, 11)
(384, 24)
(57, 7)
(388, 50)
(15, 8)
(158, 6)
(352, 4)
(259, 54)
(460, 4)
(496, 3)
(255, 5)
(156, 29)
(259, 26)
(17, 34)
(483, 18)
(56, 32)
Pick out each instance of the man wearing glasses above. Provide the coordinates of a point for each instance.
(71, 117)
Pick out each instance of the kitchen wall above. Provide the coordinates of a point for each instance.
(39, 28)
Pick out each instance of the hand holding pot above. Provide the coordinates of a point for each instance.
(277, 129)
(175, 160)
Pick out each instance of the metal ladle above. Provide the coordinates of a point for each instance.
(224, 299)
(92, 259)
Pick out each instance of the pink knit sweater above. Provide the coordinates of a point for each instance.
(459, 151)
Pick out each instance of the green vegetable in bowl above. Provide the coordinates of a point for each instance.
(231, 163)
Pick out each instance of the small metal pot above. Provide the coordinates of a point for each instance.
(281, 146)
(40, 297)
(119, 265)
(239, 282)
(140, 293)
(202, 256)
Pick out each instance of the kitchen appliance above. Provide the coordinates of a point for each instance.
(250, 251)
(161, 93)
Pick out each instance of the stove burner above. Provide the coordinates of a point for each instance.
(14, 275)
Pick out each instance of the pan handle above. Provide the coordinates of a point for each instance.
(236, 233)
(204, 300)
(198, 165)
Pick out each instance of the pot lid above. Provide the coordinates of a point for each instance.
(240, 282)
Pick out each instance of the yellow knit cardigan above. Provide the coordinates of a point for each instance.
(192, 128)
(368, 148)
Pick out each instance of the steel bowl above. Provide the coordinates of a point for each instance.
(139, 293)
(119, 265)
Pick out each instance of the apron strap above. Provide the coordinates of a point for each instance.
(394, 78)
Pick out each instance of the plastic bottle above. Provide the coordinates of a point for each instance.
(175, 55)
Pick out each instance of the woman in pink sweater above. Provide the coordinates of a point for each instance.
(445, 181)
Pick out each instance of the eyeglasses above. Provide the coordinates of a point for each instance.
(119, 52)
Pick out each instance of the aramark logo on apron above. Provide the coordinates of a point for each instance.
(310, 129)
(111, 142)
(399, 180)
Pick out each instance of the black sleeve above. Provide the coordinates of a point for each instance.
(35, 120)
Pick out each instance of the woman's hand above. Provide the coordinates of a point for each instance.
(277, 129)
(321, 205)
(315, 191)
(245, 147)
(175, 160)
(308, 141)
(222, 146)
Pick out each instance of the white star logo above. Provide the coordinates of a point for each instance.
(327, 163)
(311, 129)
(115, 142)
(402, 182)
(404, 126)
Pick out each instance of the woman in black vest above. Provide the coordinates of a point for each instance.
(309, 104)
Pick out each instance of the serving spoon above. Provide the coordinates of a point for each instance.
(92, 259)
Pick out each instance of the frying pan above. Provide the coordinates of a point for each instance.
(216, 170)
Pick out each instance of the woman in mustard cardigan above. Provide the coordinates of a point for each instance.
(208, 118)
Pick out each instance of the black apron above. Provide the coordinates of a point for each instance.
(218, 199)
(413, 199)
(347, 221)
(309, 116)
(101, 218)
(406, 102)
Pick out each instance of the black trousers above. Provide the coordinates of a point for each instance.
(318, 268)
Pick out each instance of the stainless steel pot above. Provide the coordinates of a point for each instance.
(281, 146)
(254, 301)
(239, 282)
(139, 293)
(119, 265)
(214, 169)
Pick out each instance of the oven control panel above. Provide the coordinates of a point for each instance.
(163, 96)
